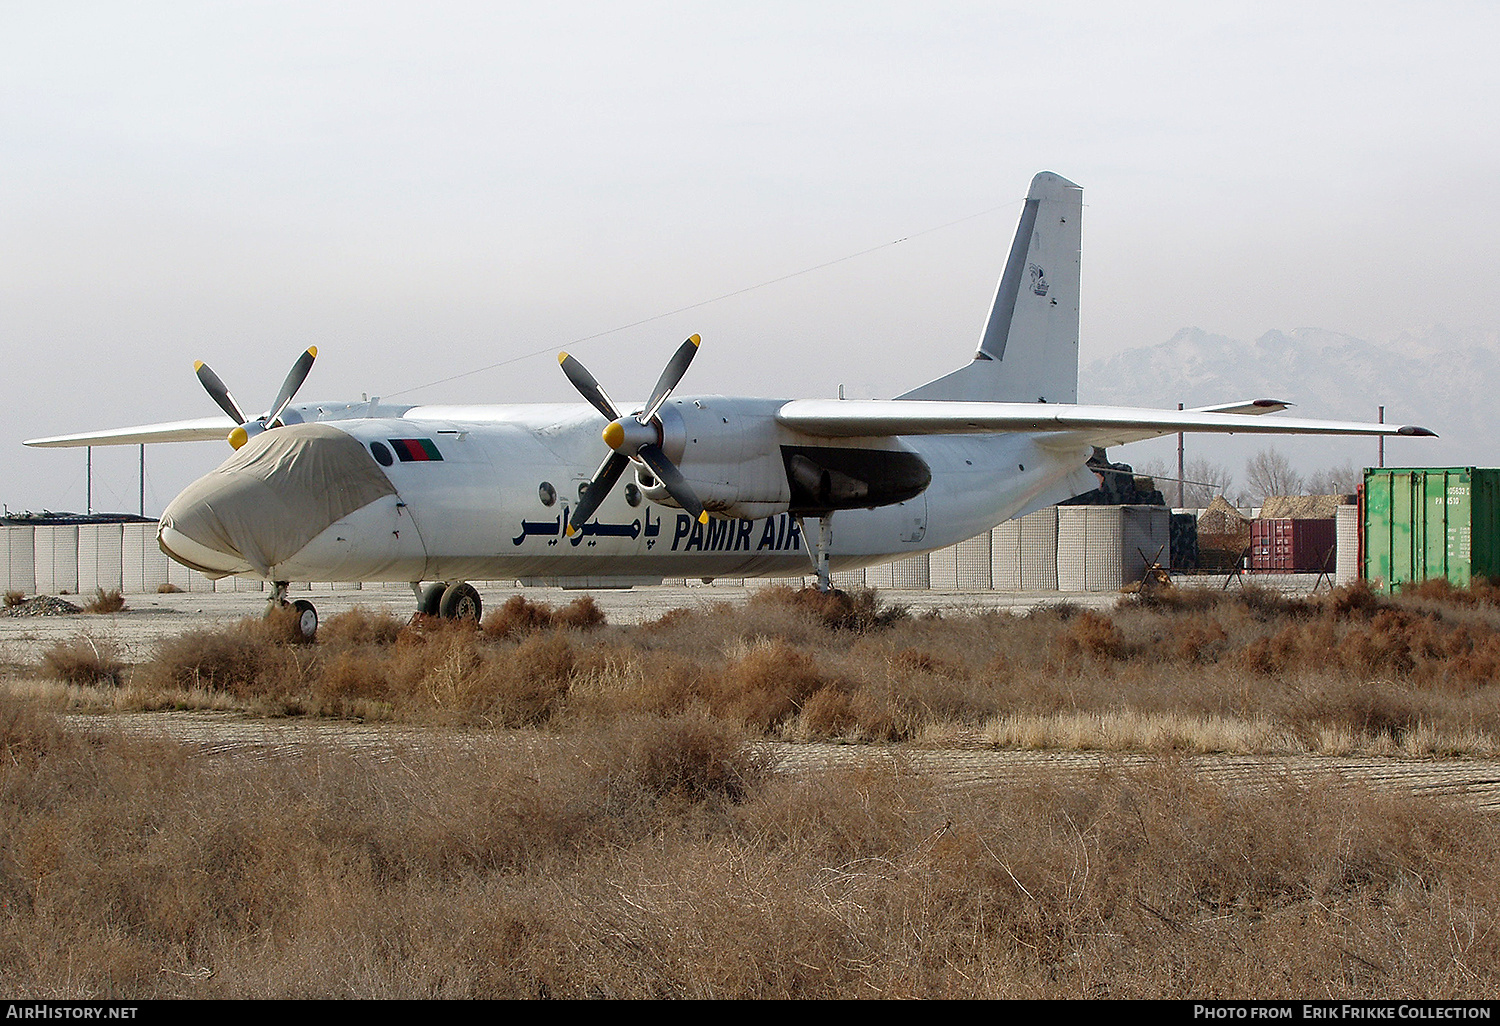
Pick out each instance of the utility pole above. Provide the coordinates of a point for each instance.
(1179, 465)
(88, 480)
(143, 479)
(1382, 438)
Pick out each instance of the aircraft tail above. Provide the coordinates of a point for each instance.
(1029, 352)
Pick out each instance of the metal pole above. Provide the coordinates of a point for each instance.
(1179, 465)
(1382, 438)
(88, 486)
(143, 479)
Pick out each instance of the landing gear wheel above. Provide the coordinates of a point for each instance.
(460, 602)
(430, 604)
(307, 619)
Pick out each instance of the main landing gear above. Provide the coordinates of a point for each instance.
(455, 600)
(817, 548)
(307, 616)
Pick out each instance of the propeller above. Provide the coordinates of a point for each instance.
(248, 426)
(637, 437)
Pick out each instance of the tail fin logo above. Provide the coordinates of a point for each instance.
(1038, 280)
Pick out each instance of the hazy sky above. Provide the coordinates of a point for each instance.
(421, 190)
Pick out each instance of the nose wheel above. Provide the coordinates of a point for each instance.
(451, 601)
(307, 615)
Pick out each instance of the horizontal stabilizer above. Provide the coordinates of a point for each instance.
(1254, 407)
(1065, 424)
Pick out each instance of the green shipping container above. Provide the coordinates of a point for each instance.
(1435, 522)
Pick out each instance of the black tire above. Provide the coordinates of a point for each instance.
(307, 619)
(461, 602)
(432, 599)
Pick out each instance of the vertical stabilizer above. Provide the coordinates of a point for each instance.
(1029, 351)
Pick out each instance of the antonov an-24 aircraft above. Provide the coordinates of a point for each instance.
(718, 485)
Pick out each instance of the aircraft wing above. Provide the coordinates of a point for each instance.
(1069, 424)
(201, 430)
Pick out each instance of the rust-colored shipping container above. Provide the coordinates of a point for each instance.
(1292, 546)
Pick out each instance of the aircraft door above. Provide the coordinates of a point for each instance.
(912, 521)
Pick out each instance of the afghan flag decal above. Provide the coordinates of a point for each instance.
(416, 450)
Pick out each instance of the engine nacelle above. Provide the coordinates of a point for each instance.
(741, 463)
(728, 451)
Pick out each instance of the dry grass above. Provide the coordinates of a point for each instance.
(14, 598)
(658, 857)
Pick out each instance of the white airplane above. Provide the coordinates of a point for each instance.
(720, 486)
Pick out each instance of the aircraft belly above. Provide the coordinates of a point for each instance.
(979, 482)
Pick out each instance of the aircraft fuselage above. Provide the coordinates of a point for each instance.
(484, 493)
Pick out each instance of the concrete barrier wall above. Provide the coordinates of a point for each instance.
(18, 552)
(1104, 548)
(1075, 548)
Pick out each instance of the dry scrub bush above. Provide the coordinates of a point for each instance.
(254, 659)
(105, 602)
(26, 732)
(84, 661)
(519, 616)
(859, 610)
(765, 686)
(14, 598)
(691, 757)
(1481, 591)
(1090, 636)
(360, 626)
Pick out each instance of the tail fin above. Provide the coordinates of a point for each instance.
(1029, 352)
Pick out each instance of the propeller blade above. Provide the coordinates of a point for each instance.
(587, 386)
(668, 474)
(603, 481)
(294, 379)
(218, 392)
(675, 369)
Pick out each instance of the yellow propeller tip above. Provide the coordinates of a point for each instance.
(312, 351)
(703, 517)
(562, 357)
(696, 340)
(568, 531)
(197, 366)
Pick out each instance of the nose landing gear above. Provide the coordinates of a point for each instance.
(307, 616)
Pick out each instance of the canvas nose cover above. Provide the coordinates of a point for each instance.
(276, 494)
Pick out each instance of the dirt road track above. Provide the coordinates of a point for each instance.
(1473, 783)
